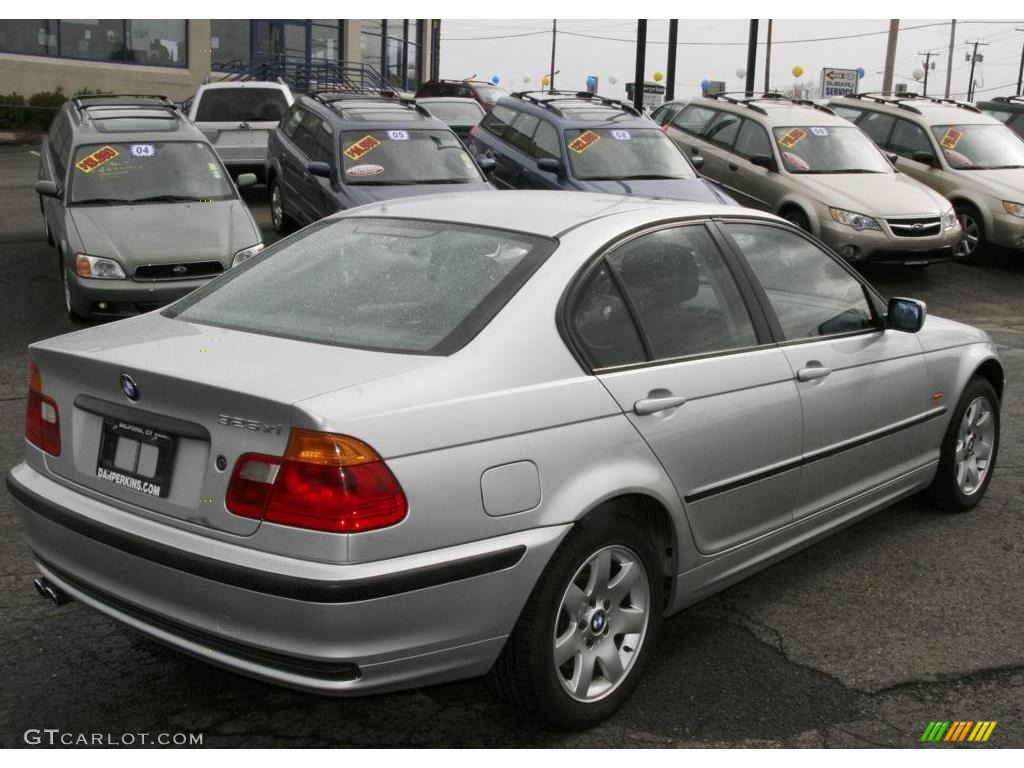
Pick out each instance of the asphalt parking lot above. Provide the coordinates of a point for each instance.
(908, 617)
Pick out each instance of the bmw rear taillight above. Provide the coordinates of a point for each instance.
(42, 419)
(324, 481)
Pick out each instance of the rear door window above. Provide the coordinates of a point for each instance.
(241, 105)
(520, 134)
(723, 129)
(498, 120)
(694, 119)
(603, 325)
(878, 126)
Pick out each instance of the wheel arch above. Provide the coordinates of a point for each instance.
(992, 371)
(795, 204)
(963, 197)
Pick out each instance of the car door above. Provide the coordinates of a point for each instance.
(490, 141)
(676, 339)
(864, 390)
(908, 138)
(307, 186)
(320, 189)
(293, 160)
(514, 166)
(547, 143)
(718, 139)
(752, 185)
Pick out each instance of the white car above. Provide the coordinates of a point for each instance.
(237, 118)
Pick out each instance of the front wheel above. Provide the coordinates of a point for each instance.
(967, 457)
(589, 628)
(973, 230)
(797, 217)
(279, 218)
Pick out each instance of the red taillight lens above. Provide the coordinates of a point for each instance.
(42, 419)
(325, 482)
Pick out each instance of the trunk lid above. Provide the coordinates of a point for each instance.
(201, 393)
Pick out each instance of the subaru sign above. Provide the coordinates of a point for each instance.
(838, 82)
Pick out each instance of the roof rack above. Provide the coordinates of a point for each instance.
(738, 102)
(85, 101)
(324, 96)
(1008, 99)
(572, 96)
(880, 98)
(748, 101)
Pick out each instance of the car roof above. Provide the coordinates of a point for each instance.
(138, 118)
(577, 109)
(371, 111)
(545, 213)
(1005, 103)
(772, 110)
(926, 110)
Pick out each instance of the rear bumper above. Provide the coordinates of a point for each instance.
(335, 629)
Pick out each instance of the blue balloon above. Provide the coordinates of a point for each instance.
(705, 84)
(860, 73)
(495, 79)
(591, 82)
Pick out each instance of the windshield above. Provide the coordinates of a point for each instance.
(219, 105)
(392, 285)
(829, 149)
(147, 172)
(980, 147)
(456, 112)
(618, 153)
(406, 157)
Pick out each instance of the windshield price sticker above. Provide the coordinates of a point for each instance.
(365, 170)
(818, 131)
(621, 135)
(793, 137)
(92, 161)
(951, 138)
(584, 141)
(366, 144)
(398, 135)
(142, 150)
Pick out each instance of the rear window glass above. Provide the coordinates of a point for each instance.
(391, 285)
(242, 104)
(456, 112)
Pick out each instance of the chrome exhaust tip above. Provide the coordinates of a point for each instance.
(50, 591)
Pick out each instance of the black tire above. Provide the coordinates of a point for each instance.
(973, 227)
(945, 491)
(282, 222)
(526, 676)
(797, 217)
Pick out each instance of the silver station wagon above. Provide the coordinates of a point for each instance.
(406, 446)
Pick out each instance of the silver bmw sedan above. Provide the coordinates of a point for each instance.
(448, 436)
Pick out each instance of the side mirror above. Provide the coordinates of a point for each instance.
(764, 161)
(697, 162)
(893, 157)
(487, 164)
(245, 180)
(318, 168)
(924, 157)
(905, 314)
(47, 188)
(549, 165)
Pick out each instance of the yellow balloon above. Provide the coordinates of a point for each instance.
(546, 80)
(658, 77)
(798, 71)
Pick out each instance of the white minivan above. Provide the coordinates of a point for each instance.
(237, 118)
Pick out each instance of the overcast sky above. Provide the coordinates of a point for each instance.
(723, 51)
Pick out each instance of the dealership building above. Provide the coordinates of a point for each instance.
(174, 56)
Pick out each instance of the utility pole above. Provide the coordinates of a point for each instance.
(554, 34)
(751, 57)
(890, 55)
(949, 61)
(974, 58)
(641, 53)
(1020, 72)
(927, 66)
(670, 74)
(768, 59)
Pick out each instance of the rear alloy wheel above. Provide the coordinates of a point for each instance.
(589, 628)
(968, 454)
(280, 219)
(973, 231)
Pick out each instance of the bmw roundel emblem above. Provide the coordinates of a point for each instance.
(129, 387)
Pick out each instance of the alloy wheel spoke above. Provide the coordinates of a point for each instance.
(627, 621)
(627, 577)
(600, 570)
(611, 662)
(583, 675)
(566, 646)
(572, 601)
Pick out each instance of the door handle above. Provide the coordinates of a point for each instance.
(733, 167)
(813, 372)
(649, 405)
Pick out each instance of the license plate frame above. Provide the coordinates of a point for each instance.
(157, 485)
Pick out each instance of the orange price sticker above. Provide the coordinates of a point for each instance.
(951, 138)
(792, 137)
(584, 141)
(94, 160)
(361, 147)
